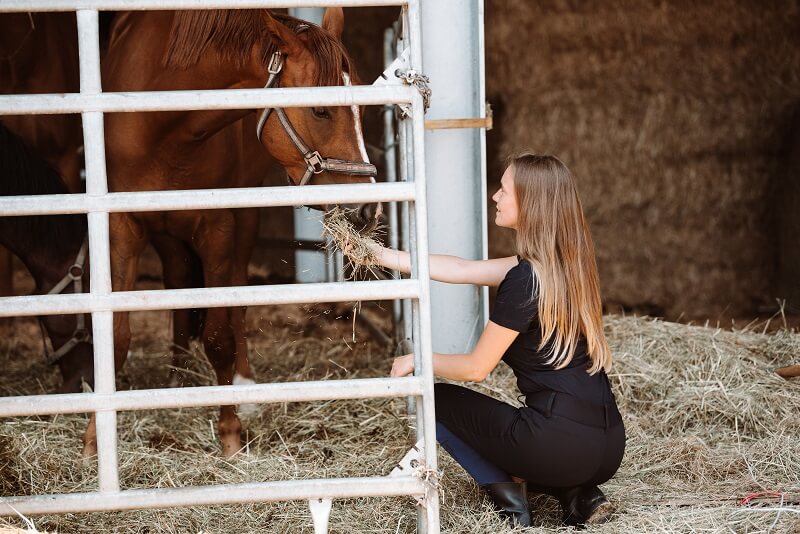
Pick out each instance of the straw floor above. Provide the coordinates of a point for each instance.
(708, 423)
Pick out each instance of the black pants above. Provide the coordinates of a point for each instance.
(550, 452)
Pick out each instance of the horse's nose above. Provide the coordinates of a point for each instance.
(371, 213)
(364, 216)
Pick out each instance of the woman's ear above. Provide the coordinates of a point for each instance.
(287, 41)
(333, 21)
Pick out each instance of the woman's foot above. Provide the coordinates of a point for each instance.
(511, 500)
(585, 506)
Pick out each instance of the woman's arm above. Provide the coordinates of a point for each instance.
(472, 367)
(451, 269)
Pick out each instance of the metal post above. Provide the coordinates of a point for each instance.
(403, 167)
(426, 418)
(99, 253)
(311, 266)
(390, 159)
(456, 157)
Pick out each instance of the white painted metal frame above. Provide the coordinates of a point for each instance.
(101, 302)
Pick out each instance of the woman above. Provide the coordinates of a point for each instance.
(546, 324)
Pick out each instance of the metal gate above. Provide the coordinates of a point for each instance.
(101, 302)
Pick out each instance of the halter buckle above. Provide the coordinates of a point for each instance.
(81, 335)
(315, 162)
(75, 272)
(275, 63)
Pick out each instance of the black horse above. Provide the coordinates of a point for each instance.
(54, 249)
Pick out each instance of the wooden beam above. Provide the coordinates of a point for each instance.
(446, 124)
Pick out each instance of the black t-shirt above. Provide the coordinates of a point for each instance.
(516, 307)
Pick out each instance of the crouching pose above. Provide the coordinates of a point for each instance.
(546, 324)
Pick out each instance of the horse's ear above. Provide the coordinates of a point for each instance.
(333, 21)
(287, 41)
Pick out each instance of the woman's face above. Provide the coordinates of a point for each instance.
(506, 200)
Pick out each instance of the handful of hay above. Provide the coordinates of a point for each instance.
(358, 245)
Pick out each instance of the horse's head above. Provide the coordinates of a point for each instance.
(319, 145)
(72, 348)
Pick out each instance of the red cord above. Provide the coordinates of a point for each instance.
(745, 501)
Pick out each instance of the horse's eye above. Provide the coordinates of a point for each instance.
(321, 113)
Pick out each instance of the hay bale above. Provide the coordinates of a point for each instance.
(673, 117)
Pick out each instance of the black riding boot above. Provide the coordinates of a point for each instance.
(511, 500)
(585, 506)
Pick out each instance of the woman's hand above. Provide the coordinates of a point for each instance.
(402, 366)
(377, 250)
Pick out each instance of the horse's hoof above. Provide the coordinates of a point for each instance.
(89, 452)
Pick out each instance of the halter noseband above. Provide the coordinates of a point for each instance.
(315, 163)
(81, 334)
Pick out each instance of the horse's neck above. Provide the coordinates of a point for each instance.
(135, 63)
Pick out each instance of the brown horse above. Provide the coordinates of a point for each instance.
(39, 54)
(50, 247)
(203, 149)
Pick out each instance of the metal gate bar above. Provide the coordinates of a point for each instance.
(239, 197)
(156, 5)
(203, 99)
(285, 490)
(426, 416)
(190, 397)
(207, 297)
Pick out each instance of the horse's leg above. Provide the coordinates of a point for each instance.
(214, 242)
(246, 221)
(127, 242)
(182, 268)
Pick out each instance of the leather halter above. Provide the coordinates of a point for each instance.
(81, 334)
(315, 163)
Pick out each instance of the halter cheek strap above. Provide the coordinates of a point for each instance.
(274, 68)
(315, 163)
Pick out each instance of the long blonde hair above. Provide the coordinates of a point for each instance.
(553, 236)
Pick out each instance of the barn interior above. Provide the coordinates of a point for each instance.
(681, 122)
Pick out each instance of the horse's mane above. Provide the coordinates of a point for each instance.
(23, 172)
(233, 33)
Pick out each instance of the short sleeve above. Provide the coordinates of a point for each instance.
(516, 305)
